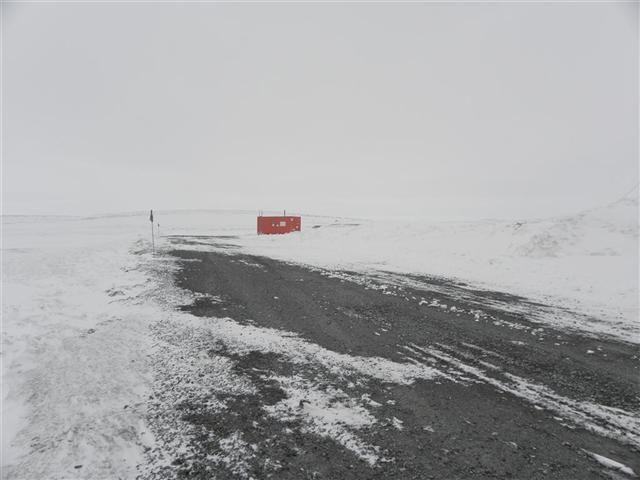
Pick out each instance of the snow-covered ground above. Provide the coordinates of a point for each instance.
(74, 370)
(79, 356)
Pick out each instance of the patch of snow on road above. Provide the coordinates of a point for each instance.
(397, 423)
(236, 452)
(612, 464)
(243, 339)
(328, 412)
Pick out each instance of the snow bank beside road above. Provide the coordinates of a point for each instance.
(74, 365)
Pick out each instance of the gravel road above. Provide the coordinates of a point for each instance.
(509, 398)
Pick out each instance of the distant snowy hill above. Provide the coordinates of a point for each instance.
(604, 231)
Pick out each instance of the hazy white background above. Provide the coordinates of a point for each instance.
(442, 111)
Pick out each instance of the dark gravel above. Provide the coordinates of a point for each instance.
(450, 429)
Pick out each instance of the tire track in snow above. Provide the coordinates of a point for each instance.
(611, 422)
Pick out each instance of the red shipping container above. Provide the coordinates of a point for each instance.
(283, 224)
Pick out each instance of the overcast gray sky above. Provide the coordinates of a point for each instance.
(443, 111)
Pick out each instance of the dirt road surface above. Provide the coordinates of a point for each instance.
(506, 398)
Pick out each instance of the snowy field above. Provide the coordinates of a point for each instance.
(79, 296)
(72, 354)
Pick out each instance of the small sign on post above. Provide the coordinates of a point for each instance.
(153, 243)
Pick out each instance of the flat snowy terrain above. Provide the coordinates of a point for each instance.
(92, 330)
